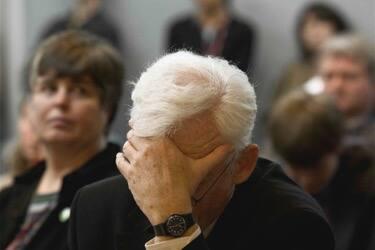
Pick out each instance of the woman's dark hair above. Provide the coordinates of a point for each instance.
(77, 53)
(322, 12)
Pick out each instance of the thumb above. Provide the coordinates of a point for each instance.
(204, 165)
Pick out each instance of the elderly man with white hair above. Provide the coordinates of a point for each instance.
(191, 179)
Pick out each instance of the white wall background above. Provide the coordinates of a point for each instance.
(12, 54)
(143, 22)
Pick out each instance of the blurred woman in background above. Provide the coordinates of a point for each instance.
(75, 89)
(316, 24)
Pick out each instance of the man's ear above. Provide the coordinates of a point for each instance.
(245, 164)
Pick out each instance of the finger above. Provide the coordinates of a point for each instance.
(123, 165)
(138, 143)
(131, 123)
(129, 151)
(129, 135)
(204, 165)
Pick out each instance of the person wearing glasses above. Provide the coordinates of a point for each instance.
(191, 178)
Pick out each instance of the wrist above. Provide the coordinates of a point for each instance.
(161, 216)
(176, 225)
(188, 232)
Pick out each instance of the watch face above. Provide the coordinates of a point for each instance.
(176, 225)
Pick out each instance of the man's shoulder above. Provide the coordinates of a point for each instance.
(108, 187)
(276, 195)
(276, 211)
(98, 212)
(109, 196)
(242, 25)
(185, 21)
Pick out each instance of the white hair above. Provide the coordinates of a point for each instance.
(182, 84)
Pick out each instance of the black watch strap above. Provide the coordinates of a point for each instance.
(176, 225)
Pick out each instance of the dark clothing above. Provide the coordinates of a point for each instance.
(98, 25)
(352, 220)
(267, 212)
(39, 209)
(238, 45)
(349, 199)
(361, 131)
(15, 200)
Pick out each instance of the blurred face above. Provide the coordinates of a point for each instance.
(88, 3)
(67, 111)
(208, 5)
(84, 9)
(347, 80)
(315, 32)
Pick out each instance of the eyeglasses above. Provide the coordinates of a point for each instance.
(201, 195)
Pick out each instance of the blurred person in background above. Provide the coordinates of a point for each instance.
(29, 144)
(346, 66)
(25, 151)
(76, 81)
(306, 131)
(87, 15)
(317, 23)
(214, 30)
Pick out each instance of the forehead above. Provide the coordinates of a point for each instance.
(313, 17)
(341, 62)
(55, 78)
(197, 136)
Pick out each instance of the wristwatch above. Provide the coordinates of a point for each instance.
(176, 225)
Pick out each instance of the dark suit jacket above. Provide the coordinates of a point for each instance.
(99, 25)
(238, 46)
(15, 200)
(267, 212)
(349, 200)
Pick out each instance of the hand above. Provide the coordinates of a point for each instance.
(161, 178)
